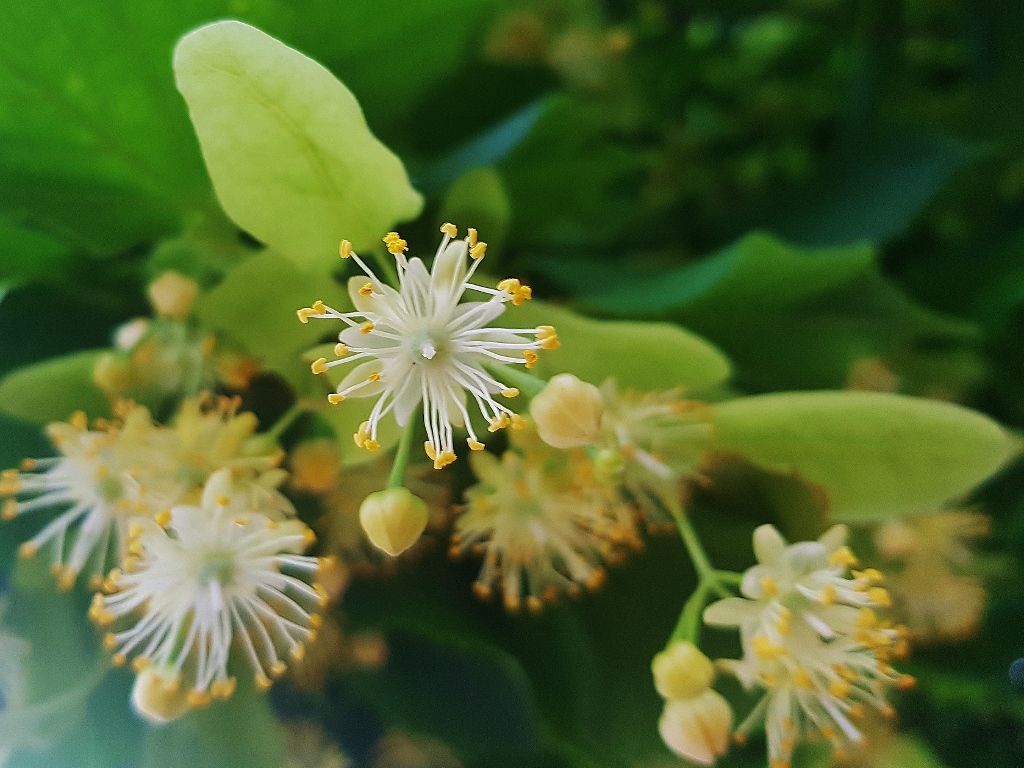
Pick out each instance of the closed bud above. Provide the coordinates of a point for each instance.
(568, 412)
(681, 671)
(158, 696)
(393, 519)
(173, 295)
(697, 729)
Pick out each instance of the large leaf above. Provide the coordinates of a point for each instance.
(54, 389)
(875, 455)
(26, 255)
(255, 306)
(642, 356)
(289, 152)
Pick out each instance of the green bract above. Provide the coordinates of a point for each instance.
(54, 389)
(875, 455)
(289, 152)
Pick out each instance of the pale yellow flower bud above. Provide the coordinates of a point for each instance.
(697, 729)
(159, 696)
(568, 412)
(681, 671)
(393, 519)
(173, 295)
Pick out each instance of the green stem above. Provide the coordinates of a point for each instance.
(386, 265)
(286, 420)
(688, 626)
(524, 382)
(397, 477)
(705, 571)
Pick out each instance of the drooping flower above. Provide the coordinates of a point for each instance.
(544, 526)
(419, 344)
(811, 640)
(210, 578)
(99, 479)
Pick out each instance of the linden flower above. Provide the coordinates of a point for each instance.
(811, 639)
(209, 579)
(419, 344)
(97, 479)
(542, 530)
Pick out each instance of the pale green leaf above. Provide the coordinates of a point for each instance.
(286, 144)
(255, 306)
(644, 356)
(478, 199)
(874, 455)
(54, 389)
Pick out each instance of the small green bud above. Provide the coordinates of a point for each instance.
(393, 519)
(681, 671)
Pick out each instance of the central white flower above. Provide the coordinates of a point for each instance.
(422, 344)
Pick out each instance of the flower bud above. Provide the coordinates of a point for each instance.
(159, 696)
(173, 295)
(681, 671)
(697, 729)
(393, 519)
(568, 412)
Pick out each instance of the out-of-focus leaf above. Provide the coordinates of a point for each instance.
(478, 199)
(54, 389)
(490, 147)
(27, 255)
(755, 273)
(643, 356)
(97, 151)
(291, 157)
(875, 190)
(240, 731)
(255, 306)
(874, 455)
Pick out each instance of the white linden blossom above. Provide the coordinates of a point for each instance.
(419, 344)
(654, 440)
(543, 530)
(210, 578)
(97, 478)
(812, 640)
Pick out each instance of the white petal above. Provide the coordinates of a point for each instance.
(769, 546)
(362, 373)
(834, 537)
(449, 271)
(731, 612)
(408, 394)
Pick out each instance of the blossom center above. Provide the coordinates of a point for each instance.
(428, 346)
(217, 566)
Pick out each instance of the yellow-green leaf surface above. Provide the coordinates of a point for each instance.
(54, 389)
(286, 144)
(255, 305)
(875, 455)
(644, 356)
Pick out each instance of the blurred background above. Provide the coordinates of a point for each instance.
(831, 191)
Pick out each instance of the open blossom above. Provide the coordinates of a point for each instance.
(210, 579)
(545, 527)
(97, 478)
(422, 344)
(812, 640)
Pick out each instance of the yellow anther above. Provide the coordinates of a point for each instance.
(374, 376)
(474, 445)
(769, 586)
(67, 579)
(801, 679)
(78, 420)
(345, 249)
(857, 711)
(395, 244)
(843, 556)
(319, 365)
(477, 251)
(867, 619)
(870, 575)
(471, 236)
(366, 327)
(263, 682)
(316, 620)
(223, 689)
(444, 459)
(308, 537)
(10, 510)
(139, 663)
(198, 699)
(840, 688)
(905, 682)
(109, 641)
(163, 519)
(278, 668)
(366, 290)
(371, 445)
(828, 595)
(223, 500)
(450, 229)
(547, 337)
(241, 520)
(362, 434)
(319, 307)
(27, 465)
(509, 285)
(304, 314)
(828, 732)
(766, 649)
(518, 422)
(334, 398)
(530, 357)
(298, 652)
(119, 660)
(28, 549)
(428, 448)
(510, 392)
(788, 724)
(880, 596)
(340, 350)
(498, 422)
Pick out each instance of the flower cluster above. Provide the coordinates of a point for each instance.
(198, 580)
(812, 640)
(107, 474)
(421, 344)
